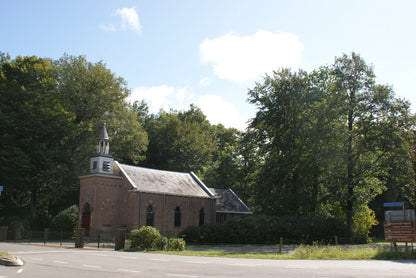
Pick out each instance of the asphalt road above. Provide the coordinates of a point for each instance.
(62, 262)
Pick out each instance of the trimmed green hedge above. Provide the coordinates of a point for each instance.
(259, 229)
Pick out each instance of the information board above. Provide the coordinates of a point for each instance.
(400, 231)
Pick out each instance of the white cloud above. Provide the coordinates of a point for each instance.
(219, 111)
(206, 81)
(129, 19)
(166, 97)
(163, 97)
(247, 58)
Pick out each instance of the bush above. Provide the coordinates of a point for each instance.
(146, 238)
(66, 220)
(175, 244)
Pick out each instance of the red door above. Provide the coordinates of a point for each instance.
(86, 223)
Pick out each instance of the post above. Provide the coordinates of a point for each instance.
(45, 235)
(119, 239)
(98, 240)
(280, 245)
(79, 240)
(336, 240)
(62, 235)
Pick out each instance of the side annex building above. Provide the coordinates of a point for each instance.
(119, 196)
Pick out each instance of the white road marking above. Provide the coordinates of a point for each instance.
(60, 262)
(302, 266)
(127, 257)
(92, 266)
(196, 262)
(36, 259)
(129, 270)
(181, 275)
(250, 265)
(20, 270)
(160, 260)
(101, 255)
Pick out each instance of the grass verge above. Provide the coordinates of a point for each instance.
(315, 252)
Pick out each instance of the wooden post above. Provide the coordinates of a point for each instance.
(280, 245)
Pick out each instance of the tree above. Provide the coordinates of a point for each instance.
(51, 114)
(34, 136)
(374, 132)
(330, 142)
(225, 169)
(179, 141)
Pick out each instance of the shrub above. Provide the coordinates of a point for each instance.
(175, 244)
(363, 219)
(146, 238)
(66, 220)
(192, 234)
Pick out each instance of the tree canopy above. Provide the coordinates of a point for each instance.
(329, 141)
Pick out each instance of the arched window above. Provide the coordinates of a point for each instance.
(177, 217)
(201, 217)
(150, 213)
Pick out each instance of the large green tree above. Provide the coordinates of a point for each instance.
(328, 140)
(375, 133)
(51, 114)
(179, 141)
(34, 134)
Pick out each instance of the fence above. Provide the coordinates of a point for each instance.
(97, 239)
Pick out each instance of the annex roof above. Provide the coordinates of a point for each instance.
(168, 182)
(229, 202)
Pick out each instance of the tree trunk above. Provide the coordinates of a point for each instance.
(350, 166)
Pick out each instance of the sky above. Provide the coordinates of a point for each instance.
(173, 53)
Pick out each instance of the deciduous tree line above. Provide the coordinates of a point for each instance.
(331, 142)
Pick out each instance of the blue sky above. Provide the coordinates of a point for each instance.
(209, 53)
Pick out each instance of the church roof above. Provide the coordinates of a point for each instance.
(160, 181)
(228, 201)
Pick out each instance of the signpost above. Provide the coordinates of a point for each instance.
(1, 189)
(400, 231)
(399, 225)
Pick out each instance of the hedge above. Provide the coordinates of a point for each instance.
(259, 229)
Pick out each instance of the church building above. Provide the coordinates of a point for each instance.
(119, 196)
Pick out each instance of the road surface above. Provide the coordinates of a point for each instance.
(69, 262)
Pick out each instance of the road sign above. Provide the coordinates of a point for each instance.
(393, 204)
(400, 231)
(1, 189)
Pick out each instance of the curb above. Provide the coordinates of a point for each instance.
(13, 261)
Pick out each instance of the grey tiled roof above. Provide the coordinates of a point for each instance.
(228, 201)
(159, 181)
